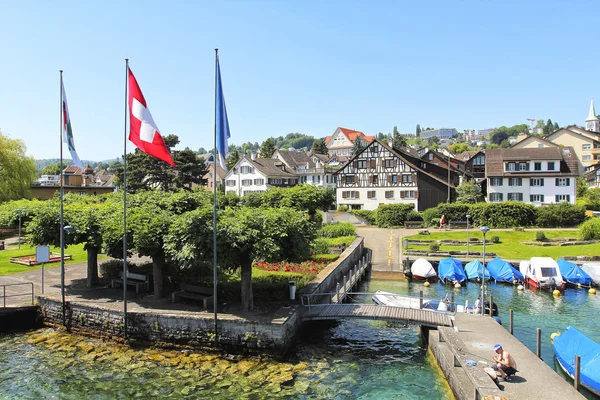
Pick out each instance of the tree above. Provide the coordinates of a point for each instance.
(17, 170)
(398, 141)
(52, 169)
(418, 131)
(267, 148)
(190, 169)
(232, 159)
(319, 147)
(358, 146)
(581, 187)
(202, 150)
(499, 137)
(457, 148)
(549, 127)
(468, 192)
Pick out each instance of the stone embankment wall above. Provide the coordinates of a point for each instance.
(185, 330)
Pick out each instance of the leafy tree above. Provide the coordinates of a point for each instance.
(381, 136)
(52, 169)
(202, 150)
(418, 131)
(581, 187)
(101, 165)
(17, 171)
(457, 148)
(468, 192)
(295, 140)
(267, 148)
(319, 147)
(499, 137)
(548, 128)
(556, 127)
(398, 141)
(190, 169)
(232, 159)
(358, 146)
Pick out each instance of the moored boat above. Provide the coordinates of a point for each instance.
(573, 274)
(543, 273)
(450, 270)
(444, 305)
(593, 270)
(474, 271)
(422, 270)
(571, 343)
(502, 271)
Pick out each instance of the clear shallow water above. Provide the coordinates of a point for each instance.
(348, 359)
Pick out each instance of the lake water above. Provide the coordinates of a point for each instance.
(349, 359)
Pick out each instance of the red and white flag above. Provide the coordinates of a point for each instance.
(143, 131)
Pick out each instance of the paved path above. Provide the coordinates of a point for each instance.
(386, 244)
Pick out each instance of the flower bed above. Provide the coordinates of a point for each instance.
(308, 268)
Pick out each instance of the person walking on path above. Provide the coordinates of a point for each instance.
(442, 221)
(506, 364)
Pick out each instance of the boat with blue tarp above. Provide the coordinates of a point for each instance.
(571, 343)
(474, 271)
(450, 270)
(502, 271)
(573, 274)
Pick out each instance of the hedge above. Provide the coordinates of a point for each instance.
(369, 215)
(337, 229)
(503, 215)
(389, 215)
(560, 215)
(452, 211)
(590, 229)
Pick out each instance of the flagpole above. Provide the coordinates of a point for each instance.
(125, 205)
(216, 152)
(62, 221)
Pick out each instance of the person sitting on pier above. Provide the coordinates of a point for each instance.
(506, 363)
(477, 305)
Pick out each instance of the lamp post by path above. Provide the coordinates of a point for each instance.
(21, 212)
(484, 230)
(468, 218)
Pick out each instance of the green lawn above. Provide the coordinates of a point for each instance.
(8, 268)
(510, 246)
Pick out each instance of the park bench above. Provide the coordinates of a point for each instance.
(141, 282)
(200, 293)
(457, 224)
(413, 224)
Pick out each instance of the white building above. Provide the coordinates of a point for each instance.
(258, 175)
(532, 175)
(342, 141)
(49, 180)
(310, 168)
(442, 133)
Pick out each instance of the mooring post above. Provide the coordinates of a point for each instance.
(538, 347)
(511, 321)
(577, 376)
(452, 301)
(345, 282)
(491, 305)
(421, 300)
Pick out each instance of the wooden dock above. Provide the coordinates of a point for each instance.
(427, 318)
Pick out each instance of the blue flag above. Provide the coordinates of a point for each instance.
(222, 122)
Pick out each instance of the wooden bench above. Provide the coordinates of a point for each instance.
(413, 224)
(141, 282)
(200, 293)
(457, 224)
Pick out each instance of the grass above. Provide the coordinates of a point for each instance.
(510, 246)
(7, 268)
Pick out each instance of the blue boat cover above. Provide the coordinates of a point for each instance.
(573, 273)
(474, 270)
(451, 269)
(571, 343)
(502, 271)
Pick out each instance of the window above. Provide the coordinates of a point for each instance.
(537, 166)
(374, 179)
(540, 145)
(371, 194)
(495, 196)
(563, 182)
(523, 166)
(350, 178)
(515, 197)
(259, 182)
(275, 181)
(83, 193)
(350, 194)
(389, 163)
(389, 194)
(318, 178)
(511, 166)
(393, 179)
(586, 157)
(587, 146)
(407, 178)
(536, 198)
(560, 198)
(408, 194)
(480, 160)
(550, 165)
(496, 181)
(515, 181)
(537, 182)
(246, 169)
(230, 182)
(246, 182)
(361, 164)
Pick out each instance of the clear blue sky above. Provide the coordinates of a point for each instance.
(293, 66)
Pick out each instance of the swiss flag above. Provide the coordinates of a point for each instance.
(143, 131)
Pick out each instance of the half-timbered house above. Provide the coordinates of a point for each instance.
(381, 175)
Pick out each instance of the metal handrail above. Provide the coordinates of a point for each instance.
(4, 296)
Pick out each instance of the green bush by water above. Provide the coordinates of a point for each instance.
(337, 229)
(590, 229)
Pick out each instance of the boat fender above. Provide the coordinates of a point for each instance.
(498, 320)
(553, 335)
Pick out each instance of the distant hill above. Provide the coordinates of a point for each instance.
(40, 164)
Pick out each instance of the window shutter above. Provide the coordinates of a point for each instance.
(389, 178)
(520, 196)
(354, 164)
(344, 195)
(416, 195)
(556, 182)
(395, 163)
(556, 200)
(542, 182)
(355, 178)
(542, 198)
(373, 163)
(402, 194)
(531, 198)
(520, 182)
(568, 197)
(568, 182)
(357, 195)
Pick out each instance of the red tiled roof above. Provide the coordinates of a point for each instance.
(352, 135)
(73, 169)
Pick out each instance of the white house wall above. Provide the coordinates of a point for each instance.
(234, 180)
(549, 190)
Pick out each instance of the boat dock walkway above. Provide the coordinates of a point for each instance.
(473, 340)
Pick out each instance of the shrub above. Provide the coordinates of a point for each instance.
(560, 215)
(343, 208)
(590, 229)
(431, 216)
(337, 229)
(435, 246)
(320, 245)
(414, 216)
(452, 211)
(389, 215)
(540, 236)
(495, 239)
(325, 257)
(503, 215)
(334, 242)
(112, 268)
(369, 215)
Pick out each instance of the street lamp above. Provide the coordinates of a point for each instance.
(468, 218)
(21, 212)
(484, 230)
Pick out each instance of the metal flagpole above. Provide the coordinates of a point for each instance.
(62, 221)
(215, 155)
(125, 205)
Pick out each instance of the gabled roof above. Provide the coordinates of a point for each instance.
(73, 170)
(293, 159)
(270, 167)
(221, 173)
(495, 159)
(535, 137)
(577, 131)
(467, 155)
(352, 135)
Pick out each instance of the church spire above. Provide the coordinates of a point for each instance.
(592, 123)
(592, 115)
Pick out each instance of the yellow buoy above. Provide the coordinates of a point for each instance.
(579, 285)
(457, 285)
(556, 292)
(520, 287)
(592, 291)
(554, 334)
(426, 283)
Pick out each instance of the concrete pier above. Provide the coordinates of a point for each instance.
(473, 340)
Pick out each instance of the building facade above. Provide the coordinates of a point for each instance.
(342, 141)
(442, 133)
(258, 175)
(311, 169)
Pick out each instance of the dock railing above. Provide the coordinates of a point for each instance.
(5, 296)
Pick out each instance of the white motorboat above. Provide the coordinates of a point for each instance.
(542, 273)
(593, 270)
(396, 300)
(422, 270)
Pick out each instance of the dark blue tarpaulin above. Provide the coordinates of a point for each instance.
(474, 270)
(502, 271)
(573, 273)
(572, 342)
(451, 269)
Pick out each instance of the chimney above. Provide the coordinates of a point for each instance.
(252, 155)
(390, 142)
